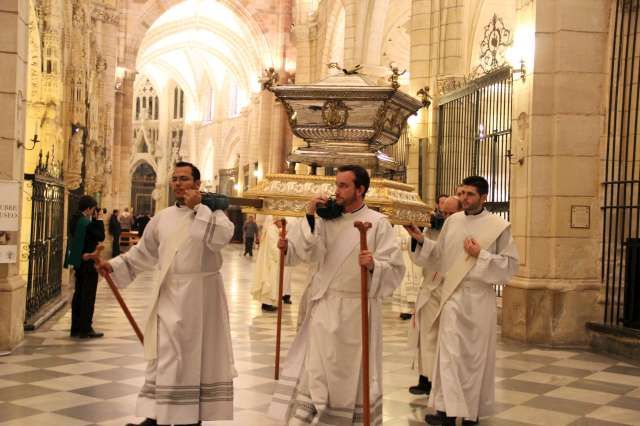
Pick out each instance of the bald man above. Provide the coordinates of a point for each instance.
(423, 330)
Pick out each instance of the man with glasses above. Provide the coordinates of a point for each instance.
(189, 376)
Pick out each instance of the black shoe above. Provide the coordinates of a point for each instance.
(269, 308)
(405, 316)
(91, 334)
(74, 334)
(422, 388)
(145, 422)
(440, 418)
(466, 422)
(286, 299)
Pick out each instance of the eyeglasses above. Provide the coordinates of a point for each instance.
(181, 178)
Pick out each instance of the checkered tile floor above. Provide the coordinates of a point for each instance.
(54, 380)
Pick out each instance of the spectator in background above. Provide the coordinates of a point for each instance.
(86, 231)
(115, 229)
(126, 220)
(250, 231)
(437, 217)
(142, 222)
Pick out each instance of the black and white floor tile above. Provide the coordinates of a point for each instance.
(52, 379)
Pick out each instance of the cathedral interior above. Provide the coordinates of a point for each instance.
(540, 97)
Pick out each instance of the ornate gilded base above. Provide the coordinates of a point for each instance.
(328, 158)
(288, 194)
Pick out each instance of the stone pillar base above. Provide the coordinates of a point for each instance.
(548, 316)
(12, 307)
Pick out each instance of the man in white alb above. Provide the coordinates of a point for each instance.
(267, 276)
(190, 370)
(423, 331)
(321, 382)
(474, 250)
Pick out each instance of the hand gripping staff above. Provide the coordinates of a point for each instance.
(283, 236)
(95, 256)
(364, 300)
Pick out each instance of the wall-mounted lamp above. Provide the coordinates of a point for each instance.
(34, 141)
(521, 72)
(236, 187)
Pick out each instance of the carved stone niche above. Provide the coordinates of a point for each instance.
(73, 170)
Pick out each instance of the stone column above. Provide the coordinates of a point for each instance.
(126, 140)
(117, 144)
(14, 17)
(558, 127)
(109, 94)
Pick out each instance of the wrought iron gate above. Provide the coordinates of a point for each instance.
(621, 209)
(474, 137)
(143, 183)
(47, 232)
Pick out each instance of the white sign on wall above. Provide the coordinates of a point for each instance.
(9, 220)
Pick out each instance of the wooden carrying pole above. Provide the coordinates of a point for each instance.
(283, 235)
(95, 256)
(364, 300)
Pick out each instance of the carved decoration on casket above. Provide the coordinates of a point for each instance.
(335, 113)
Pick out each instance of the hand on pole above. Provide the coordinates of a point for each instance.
(366, 259)
(103, 267)
(283, 244)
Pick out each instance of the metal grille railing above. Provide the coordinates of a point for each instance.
(45, 247)
(621, 207)
(474, 137)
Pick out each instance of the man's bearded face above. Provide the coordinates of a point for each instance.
(471, 198)
(346, 192)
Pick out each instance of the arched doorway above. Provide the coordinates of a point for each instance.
(142, 183)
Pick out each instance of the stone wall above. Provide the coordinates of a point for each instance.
(14, 16)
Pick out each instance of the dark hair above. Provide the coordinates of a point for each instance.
(477, 182)
(440, 196)
(195, 173)
(86, 202)
(360, 173)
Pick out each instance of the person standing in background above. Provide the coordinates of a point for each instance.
(250, 231)
(126, 220)
(86, 231)
(115, 229)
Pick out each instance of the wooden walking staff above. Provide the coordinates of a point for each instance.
(283, 235)
(95, 256)
(364, 300)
